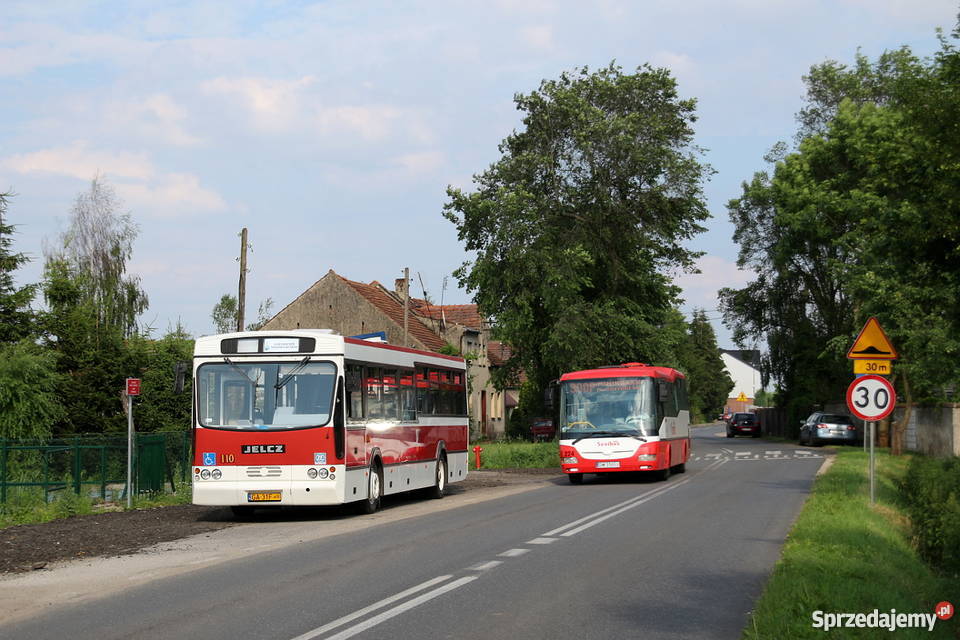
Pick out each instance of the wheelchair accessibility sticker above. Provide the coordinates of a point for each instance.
(209, 459)
(319, 458)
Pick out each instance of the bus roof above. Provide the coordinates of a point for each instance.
(628, 370)
(323, 341)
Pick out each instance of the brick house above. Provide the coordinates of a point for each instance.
(357, 308)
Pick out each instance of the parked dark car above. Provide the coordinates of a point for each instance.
(745, 424)
(542, 429)
(822, 428)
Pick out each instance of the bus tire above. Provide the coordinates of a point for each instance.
(374, 489)
(439, 488)
(680, 468)
(665, 473)
(575, 478)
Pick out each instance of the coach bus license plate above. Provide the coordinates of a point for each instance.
(608, 465)
(264, 496)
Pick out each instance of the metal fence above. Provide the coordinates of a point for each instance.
(92, 465)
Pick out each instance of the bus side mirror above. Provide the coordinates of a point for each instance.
(549, 395)
(179, 375)
(663, 392)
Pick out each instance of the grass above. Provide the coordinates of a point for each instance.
(844, 556)
(31, 508)
(519, 455)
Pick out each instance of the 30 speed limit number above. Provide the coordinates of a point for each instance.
(871, 398)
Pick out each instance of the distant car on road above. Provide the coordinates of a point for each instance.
(821, 428)
(743, 424)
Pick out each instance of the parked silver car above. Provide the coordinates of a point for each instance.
(821, 428)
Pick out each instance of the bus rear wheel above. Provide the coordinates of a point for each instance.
(575, 478)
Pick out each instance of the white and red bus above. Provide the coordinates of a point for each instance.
(631, 417)
(309, 417)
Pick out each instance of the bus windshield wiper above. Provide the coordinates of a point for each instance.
(241, 371)
(288, 377)
(594, 434)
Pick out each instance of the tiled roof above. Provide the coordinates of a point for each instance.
(465, 315)
(379, 297)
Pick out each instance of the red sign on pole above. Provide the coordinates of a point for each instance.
(133, 386)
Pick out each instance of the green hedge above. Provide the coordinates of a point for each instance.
(931, 489)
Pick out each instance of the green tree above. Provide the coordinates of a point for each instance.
(17, 319)
(225, 313)
(708, 381)
(227, 310)
(862, 219)
(578, 226)
(29, 391)
(159, 407)
(93, 306)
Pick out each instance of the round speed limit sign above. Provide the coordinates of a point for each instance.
(871, 398)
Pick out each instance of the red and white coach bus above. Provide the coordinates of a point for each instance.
(631, 417)
(309, 417)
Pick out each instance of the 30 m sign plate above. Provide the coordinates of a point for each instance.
(871, 398)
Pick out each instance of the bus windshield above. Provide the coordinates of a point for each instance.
(265, 395)
(609, 406)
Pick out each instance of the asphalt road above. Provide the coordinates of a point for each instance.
(618, 557)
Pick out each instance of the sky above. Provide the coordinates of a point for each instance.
(331, 130)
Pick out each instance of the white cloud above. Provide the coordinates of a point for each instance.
(423, 162)
(133, 175)
(538, 37)
(275, 104)
(77, 161)
(700, 289)
(171, 195)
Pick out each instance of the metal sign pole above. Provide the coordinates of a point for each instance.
(129, 452)
(873, 484)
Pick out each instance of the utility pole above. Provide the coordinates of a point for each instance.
(406, 303)
(242, 293)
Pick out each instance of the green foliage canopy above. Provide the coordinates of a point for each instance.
(578, 225)
(861, 220)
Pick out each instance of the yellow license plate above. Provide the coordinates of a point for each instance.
(264, 496)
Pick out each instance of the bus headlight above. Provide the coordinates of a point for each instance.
(205, 474)
(569, 460)
(323, 473)
(647, 456)
(312, 473)
(216, 474)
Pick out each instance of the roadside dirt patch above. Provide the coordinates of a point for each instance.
(32, 547)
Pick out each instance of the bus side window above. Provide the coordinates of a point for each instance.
(374, 393)
(391, 395)
(408, 397)
(354, 387)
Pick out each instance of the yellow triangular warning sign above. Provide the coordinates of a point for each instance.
(742, 397)
(872, 344)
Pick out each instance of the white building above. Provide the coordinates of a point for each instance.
(743, 368)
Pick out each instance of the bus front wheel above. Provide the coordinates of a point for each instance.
(374, 490)
(439, 488)
(575, 478)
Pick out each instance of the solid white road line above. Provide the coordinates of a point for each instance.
(339, 622)
(401, 608)
(671, 487)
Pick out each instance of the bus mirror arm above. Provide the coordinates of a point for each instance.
(179, 375)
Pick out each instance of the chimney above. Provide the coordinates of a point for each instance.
(401, 286)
